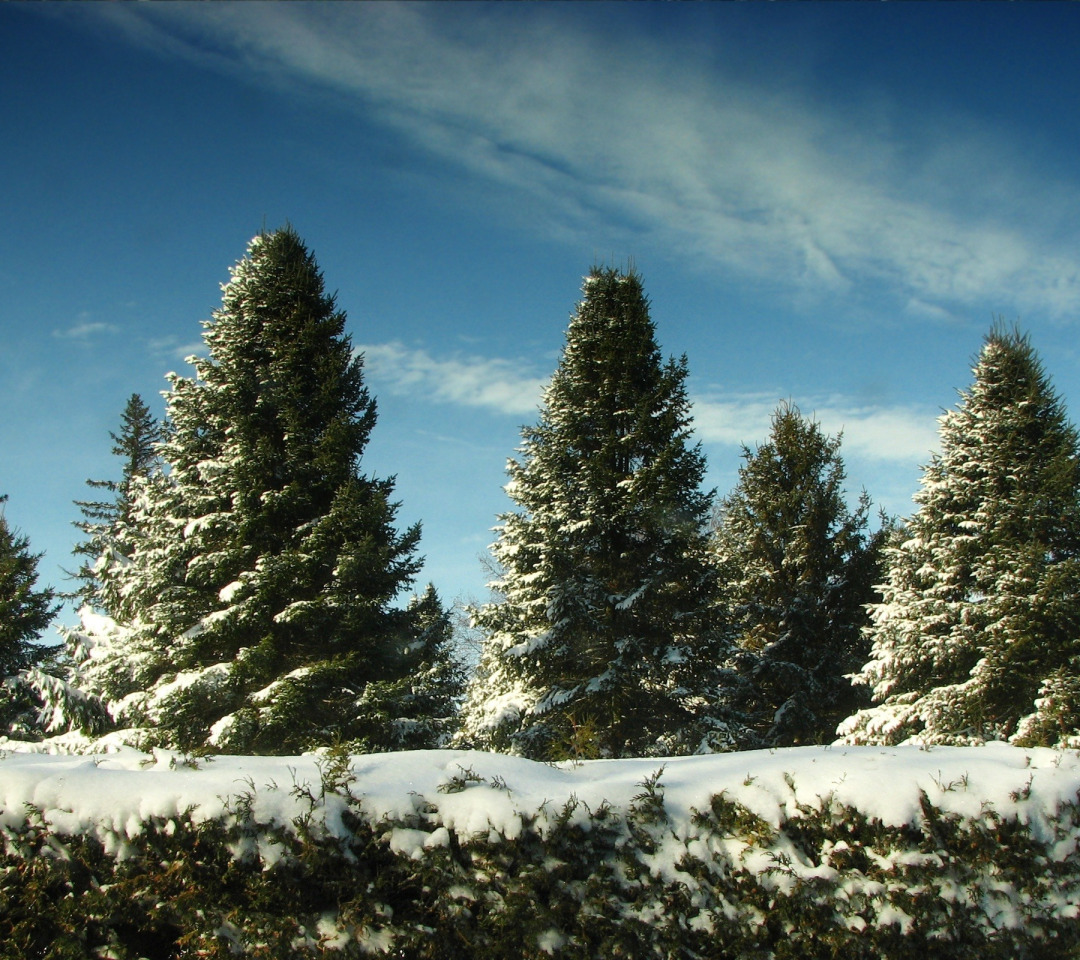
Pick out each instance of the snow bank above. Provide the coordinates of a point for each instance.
(116, 791)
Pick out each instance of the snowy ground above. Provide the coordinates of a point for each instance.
(113, 794)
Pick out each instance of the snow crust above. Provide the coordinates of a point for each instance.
(113, 794)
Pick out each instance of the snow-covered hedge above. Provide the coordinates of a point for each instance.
(813, 852)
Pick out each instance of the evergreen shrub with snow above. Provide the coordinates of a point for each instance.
(977, 636)
(972, 853)
(602, 639)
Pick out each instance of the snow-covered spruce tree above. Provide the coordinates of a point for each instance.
(980, 615)
(25, 611)
(797, 569)
(257, 603)
(107, 524)
(601, 641)
(70, 694)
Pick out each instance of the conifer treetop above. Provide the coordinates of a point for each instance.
(979, 616)
(797, 569)
(258, 603)
(109, 524)
(604, 575)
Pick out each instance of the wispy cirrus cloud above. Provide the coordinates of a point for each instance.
(887, 434)
(645, 138)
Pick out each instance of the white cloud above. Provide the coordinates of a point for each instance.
(501, 386)
(734, 421)
(172, 348)
(900, 434)
(84, 330)
(759, 182)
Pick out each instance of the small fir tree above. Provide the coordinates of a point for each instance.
(257, 603)
(25, 611)
(601, 640)
(797, 568)
(71, 692)
(419, 709)
(978, 632)
(108, 524)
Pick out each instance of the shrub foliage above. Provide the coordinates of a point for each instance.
(575, 882)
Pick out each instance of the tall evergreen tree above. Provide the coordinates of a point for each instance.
(25, 611)
(797, 568)
(601, 640)
(257, 604)
(980, 616)
(108, 523)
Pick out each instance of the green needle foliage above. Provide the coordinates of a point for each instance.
(978, 633)
(108, 524)
(798, 568)
(602, 641)
(25, 611)
(257, 603)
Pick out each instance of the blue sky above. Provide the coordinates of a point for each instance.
(828, 204)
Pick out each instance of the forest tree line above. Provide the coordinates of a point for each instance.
(239, 585)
